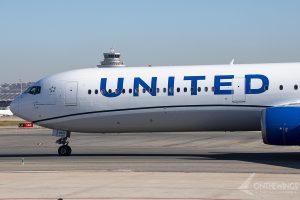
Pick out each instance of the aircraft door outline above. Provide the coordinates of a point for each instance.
(71, 92)
(238, 85)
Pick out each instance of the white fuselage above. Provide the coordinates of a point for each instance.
(186, 98)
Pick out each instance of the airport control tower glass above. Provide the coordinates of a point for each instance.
(112, 59)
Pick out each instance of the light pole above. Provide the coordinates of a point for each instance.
(21, 86)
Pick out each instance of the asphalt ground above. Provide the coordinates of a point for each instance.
(210, 165)
(232, 152)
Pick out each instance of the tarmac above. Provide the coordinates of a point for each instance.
(210, 165)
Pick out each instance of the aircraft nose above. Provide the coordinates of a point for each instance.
(14, 106)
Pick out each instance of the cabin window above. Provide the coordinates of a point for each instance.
(96, 91)
(157, 90)
(185, 89)
(117, 91)
(123, 91)
(281, 87)
(266, 88)
(206, 89)
(144, 90)
(296, 87)
(165, 90)
(199, 89)
(171, 90)
(150, 90)
(212, 89)
(130, 91)
(89, 91)
(109, 91)
(192, 89)
(178, 89)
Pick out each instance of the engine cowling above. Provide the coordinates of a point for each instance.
(281, 126)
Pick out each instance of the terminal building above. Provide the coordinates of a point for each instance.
(9, 91)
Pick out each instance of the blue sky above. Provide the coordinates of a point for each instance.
(38, 38)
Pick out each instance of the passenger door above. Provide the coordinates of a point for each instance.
(239, 95)
(71, 93)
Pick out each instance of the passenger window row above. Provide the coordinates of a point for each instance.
(164, 90)
(281, 87)
(178, 90)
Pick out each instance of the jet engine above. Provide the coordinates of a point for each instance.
(281, 126)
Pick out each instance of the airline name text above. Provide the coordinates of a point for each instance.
(220, 81)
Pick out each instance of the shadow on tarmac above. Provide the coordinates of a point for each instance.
(283, 159)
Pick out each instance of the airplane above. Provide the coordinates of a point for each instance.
(6, 112)
(235, 97)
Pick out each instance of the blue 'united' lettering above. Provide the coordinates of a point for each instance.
(220, 81)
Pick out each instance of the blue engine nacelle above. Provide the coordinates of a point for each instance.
(281, 126)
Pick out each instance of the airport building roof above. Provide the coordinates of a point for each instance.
(9, 91)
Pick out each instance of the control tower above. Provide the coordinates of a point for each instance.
(112, 59)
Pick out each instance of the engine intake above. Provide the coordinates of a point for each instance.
(281, 126)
